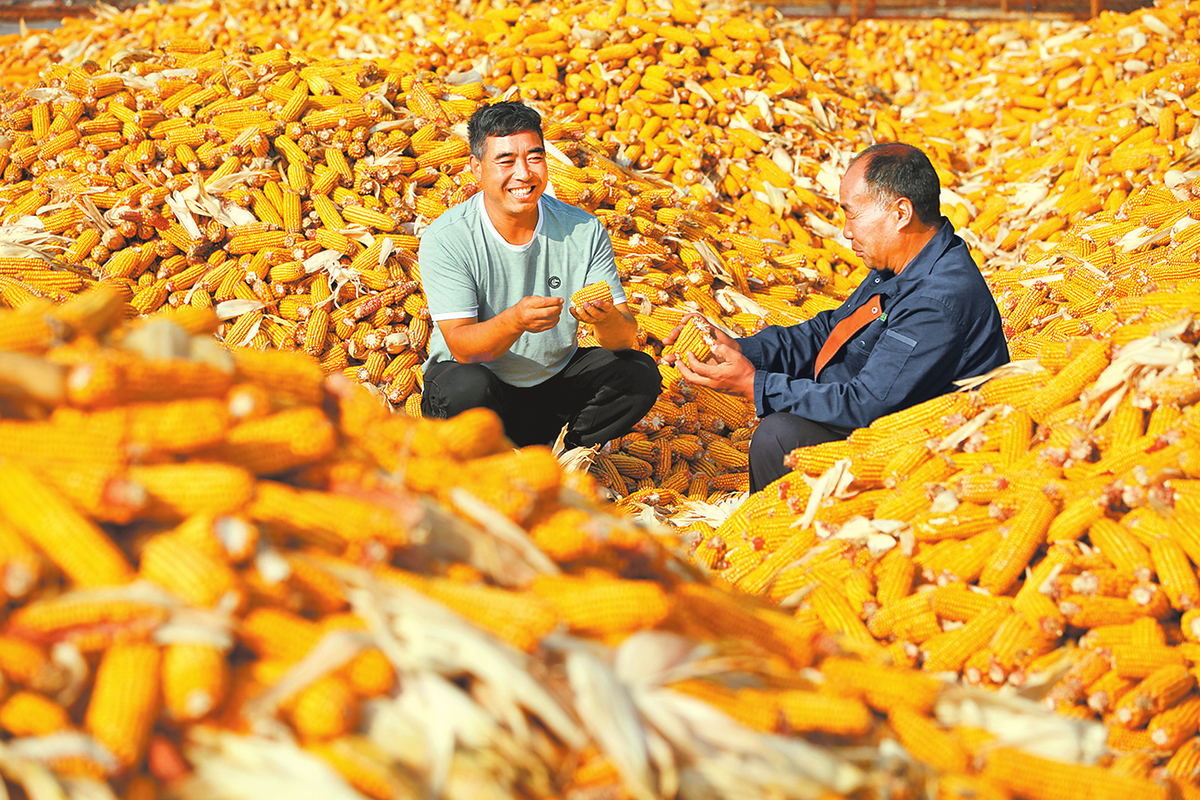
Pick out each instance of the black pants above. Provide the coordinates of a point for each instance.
(779, 434)
(601, 394)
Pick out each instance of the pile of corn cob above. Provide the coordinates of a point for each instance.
(745, 119)
(1063, 123)
(231, 576)
(291, 197)
(1037, 533)
(742, 124)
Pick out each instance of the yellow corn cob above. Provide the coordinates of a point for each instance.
(1175, 573)
(32, 714)
(177, 491)
(967, 520)
(927, 741)
(959, 560)
(91, 623)
(882, 687)
(1172, 727)
(1139, 661)
(724, 615)
(325, 709)
(949, 650)
(894, 576)
(816, 711)
(1122, 548)
(124, 701)
(184, 569)
(837, 615)
(1143, 632)
(27, 664)
(1038, 778)
(20, 565)
(1154, 694)
(883, 621)
(278, 442)
(315, 332)
(182, 426)
(325, 519)
(360, 215)
(1026, 532)
(603, 606)
(195, 680)
(290, 375)
(1076, 518)
(85, 554)
(592, 293)
(695, 338)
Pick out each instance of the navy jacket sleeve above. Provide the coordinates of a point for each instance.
(916, 350)
(792, 349)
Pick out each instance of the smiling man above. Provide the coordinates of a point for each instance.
(498, 271)
(922, 319)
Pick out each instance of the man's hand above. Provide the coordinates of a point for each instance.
(595, 312)
(727, 371)
(614, 325)
(537, 314)
(473, 342)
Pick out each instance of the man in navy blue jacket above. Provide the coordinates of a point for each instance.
(922, 319)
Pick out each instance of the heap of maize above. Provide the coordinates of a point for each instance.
(229, 573)
(268, 181)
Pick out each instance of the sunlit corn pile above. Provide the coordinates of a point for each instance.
(229, 575)
(1055, 126)
(1037, 533)
(291, 195)
(287, 189)
(746, 119)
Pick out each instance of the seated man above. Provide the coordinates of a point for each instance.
(922, 319)
(497, 270)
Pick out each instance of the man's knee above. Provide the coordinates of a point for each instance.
(776, 436)
(641, 376)
(449, 390)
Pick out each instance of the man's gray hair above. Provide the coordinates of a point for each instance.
(895, 169)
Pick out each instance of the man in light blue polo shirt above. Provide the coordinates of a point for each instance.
(498, 270)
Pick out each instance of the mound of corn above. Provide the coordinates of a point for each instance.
(231, 576)
(281, 552)
(293, 192)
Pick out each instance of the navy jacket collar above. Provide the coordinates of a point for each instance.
(922, 264)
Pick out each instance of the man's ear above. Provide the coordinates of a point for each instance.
(905, 213)
(476, 166)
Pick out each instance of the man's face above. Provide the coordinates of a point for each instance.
(871, 228)
(512, 174)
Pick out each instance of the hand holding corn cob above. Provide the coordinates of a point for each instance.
(593, 304)
(596, 293)
(711, 358)
(612, 327)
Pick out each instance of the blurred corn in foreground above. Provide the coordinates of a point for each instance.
(208, 594)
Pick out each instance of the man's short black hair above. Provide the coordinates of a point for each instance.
(501, 119)
(895, 169)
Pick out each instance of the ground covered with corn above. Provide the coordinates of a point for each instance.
(234, 566)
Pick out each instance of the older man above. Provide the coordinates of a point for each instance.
(922, 319)
(497, 270)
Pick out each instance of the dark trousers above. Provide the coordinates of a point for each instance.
(779, 434)
(601, 394)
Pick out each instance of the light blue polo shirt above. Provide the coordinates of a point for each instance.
(468, 271)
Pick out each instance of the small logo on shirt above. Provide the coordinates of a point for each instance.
(554, 281)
